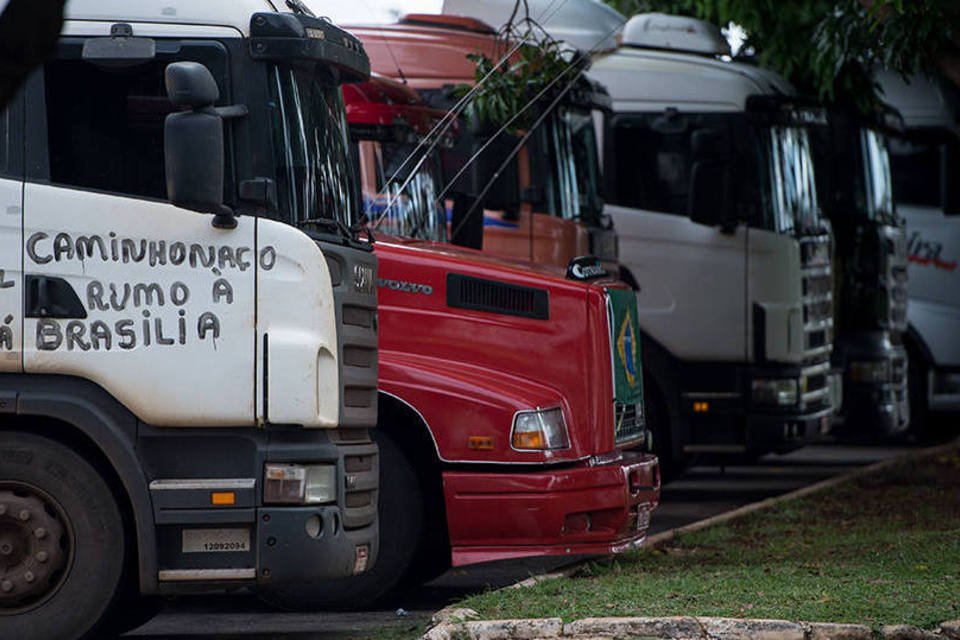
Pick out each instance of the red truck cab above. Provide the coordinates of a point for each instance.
(545, 206)
(489, 450)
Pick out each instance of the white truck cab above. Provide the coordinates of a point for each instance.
(710, 184)
(188, 344)
(925, 162)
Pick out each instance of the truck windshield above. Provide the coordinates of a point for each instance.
(877, 182)
(402, 198)
(586, 164)
(315, 179)
(791, 197)
(564, 197)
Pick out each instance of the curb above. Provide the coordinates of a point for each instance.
(675, 628)
(454, 623)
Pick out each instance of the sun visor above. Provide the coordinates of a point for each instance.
(288, 36)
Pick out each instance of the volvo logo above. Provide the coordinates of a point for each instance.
(405, 287)
(363, 278)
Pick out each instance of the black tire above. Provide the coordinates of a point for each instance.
(672, 465)
(76, 582)
(401, 525)
(917, 372)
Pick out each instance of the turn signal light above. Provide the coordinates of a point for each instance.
(701, 407)
(531, 440)
(480, 443)
(223, 498)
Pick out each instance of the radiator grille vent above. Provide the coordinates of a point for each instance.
(479, 294)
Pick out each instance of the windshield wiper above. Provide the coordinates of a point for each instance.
(349, 234)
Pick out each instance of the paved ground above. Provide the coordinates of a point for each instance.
(704, 491)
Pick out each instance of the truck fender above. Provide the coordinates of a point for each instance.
(439, 391)
(111, 429)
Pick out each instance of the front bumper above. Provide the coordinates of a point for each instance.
(726, 421)
(574, 510)
(243, 542)
(872, 408)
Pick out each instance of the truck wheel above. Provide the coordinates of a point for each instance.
(919, 428)
(61, 541)
(401, 524)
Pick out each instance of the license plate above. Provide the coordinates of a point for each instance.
(216, 540)
(643, 519)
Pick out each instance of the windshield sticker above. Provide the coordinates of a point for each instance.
(928, 252)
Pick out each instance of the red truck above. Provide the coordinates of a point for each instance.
(510, 400)
(545, 206)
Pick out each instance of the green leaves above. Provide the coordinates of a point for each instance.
(535, 70)
(829, 48)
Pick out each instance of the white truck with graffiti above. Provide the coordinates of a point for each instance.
(188, 348)
(925, 163)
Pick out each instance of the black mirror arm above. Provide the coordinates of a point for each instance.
(233, 111)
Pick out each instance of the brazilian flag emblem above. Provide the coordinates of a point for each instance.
(625, 336)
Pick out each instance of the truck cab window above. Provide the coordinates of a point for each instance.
(652, 167)
(105, 124)
(916, 169)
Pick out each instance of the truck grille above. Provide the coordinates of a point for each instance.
(628, 422)
(817, 298)
(353, 271)
(896, 277)
(361, 475)
(815, 387)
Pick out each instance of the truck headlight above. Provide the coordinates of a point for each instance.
(539, 430)
(870, 371)
(777, 392)
(299, 483)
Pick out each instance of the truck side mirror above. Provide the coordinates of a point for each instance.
(711, 197)
(193, 143)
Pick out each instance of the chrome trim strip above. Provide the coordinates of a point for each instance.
(816, 369)
(817, 325)
(202, 484)
(192, 575)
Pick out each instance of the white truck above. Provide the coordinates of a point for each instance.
(188, 347)
(925, 163)
(710, 184)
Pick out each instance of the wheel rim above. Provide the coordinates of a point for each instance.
(35, 547)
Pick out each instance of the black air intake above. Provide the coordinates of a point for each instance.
(479, 294)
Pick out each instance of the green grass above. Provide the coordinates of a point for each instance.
(883, 549)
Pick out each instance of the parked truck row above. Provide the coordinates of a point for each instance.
(276, 312)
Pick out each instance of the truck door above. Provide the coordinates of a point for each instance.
(11, 223)
(147, 300)
(691, 273)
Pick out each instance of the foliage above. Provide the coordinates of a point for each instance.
(506, 90)
(829, 47)
(882, 549)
